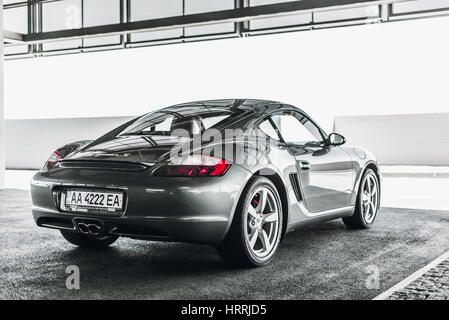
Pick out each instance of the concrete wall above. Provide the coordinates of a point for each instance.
(395, 139)
(400, 139)
(29, 142)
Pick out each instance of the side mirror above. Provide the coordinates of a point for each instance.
(336, 139)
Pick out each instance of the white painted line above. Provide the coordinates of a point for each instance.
(384, 295)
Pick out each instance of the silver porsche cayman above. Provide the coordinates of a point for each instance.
(237, 174)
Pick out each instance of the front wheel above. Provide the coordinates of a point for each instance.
(256, 229)
(367, 204)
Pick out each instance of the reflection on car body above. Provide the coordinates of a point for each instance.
(238, 174)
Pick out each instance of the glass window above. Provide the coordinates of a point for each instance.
(352, 13)
(165, 123)
(293, 20)
(15, 19)
(201, 6)
(227, 27)
(212, 121)
(154, 9)
(59, 45)
(101, 12)
(268, 129)
(289, 20)
(296, 128)
(262, 2)
(419, 5)
(61, 15)
(145, 9)
(23, 48)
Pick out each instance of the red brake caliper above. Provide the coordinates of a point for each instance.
(256, 203)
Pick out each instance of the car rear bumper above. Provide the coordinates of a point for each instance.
(198, 230)
(168, 209)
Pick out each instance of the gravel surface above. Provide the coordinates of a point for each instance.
(321, 262)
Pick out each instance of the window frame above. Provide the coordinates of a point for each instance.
(324, 136)
(194, 117)
(268, 118)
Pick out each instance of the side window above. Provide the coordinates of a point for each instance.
(164, 125)
(212, 121)
(296, 128)
(268, 129)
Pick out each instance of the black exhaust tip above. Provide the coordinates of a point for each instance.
(83, 228)
(89, 226)
(94, 229)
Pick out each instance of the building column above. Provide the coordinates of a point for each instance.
(2, 101)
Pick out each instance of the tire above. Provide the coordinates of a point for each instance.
(363, 219)
(88, 242)
(254, 220)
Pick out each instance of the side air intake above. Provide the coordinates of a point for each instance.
(295, 184)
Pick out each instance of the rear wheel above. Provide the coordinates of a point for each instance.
(368, 201)
(255, 232)
(86, 241)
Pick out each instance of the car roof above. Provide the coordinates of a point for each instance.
(254, 105)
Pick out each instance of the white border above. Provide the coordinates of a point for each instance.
(384, 295)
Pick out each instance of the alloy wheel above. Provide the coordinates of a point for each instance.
(262, 223)
(370, 198)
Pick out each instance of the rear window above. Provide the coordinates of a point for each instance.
(165, 123)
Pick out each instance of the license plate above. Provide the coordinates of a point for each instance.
(78, 200)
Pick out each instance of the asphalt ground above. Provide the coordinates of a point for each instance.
(326, 261)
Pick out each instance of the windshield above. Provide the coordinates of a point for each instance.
(165, 123)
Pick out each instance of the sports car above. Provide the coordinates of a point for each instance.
(238, 174)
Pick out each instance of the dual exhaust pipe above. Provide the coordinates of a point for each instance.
(92, 228)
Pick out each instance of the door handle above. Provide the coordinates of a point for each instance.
(304, 165)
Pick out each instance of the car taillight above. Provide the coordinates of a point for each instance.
(53, 160)
(194, 166)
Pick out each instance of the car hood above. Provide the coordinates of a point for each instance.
(142, 149)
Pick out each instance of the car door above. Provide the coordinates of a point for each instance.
(325, 172)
